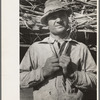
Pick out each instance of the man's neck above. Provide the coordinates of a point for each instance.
(59, 37)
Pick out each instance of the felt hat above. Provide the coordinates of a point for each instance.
(52, 6)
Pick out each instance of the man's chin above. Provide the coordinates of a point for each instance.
(59, 31)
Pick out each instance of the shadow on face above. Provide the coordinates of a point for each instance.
(58, 22)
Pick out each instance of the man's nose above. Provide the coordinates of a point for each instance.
(58, 19)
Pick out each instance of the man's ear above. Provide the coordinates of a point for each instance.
(47, 27)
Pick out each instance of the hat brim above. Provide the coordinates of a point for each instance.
(44, 17)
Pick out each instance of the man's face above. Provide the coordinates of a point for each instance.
(58, 22)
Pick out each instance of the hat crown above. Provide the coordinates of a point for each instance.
(52, 5)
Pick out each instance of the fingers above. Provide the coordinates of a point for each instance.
(56, 68)
(64, 61)
(55, 65)
(61, 64)
(53, 59)
(64, 58)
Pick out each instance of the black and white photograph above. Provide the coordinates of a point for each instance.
(49, 50)
(58, 49)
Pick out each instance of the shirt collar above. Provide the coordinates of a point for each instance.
(52, 40)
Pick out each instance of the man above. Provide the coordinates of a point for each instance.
(58, 67)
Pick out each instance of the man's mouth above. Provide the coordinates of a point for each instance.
(59, 26)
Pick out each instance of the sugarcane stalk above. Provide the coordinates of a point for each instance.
(87, 3)
(32, 11)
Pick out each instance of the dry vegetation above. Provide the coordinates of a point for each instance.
(83, 19)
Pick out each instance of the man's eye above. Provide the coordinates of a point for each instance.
(53, 17)
(61, 15)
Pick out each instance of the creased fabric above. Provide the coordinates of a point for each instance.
(58, 88)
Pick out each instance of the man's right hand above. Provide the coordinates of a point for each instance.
(51, 66)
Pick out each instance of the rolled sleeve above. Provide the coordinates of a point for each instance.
(31, 78)
(86, 78)
(30, 74)
(83, 80)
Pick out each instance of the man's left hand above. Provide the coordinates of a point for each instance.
(64, 62)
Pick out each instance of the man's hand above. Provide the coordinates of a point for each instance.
(64, 62)
(51, 66)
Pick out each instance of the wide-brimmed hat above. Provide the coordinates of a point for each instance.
(52, 6)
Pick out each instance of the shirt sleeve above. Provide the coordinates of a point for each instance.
(86, 78)
(30, 74)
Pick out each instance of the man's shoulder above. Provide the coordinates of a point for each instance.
(80, 44)
(45, 40)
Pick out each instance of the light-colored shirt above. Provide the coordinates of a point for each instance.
(55, 88)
